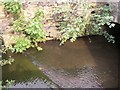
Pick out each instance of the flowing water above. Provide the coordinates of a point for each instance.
(73, 65)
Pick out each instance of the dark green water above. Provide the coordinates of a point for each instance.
(25, 74)
(80, 64)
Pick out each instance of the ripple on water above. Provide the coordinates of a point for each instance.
(85, 78)
(34, 83)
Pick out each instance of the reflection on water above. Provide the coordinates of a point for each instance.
(79, 64)
(34, 83)
(25, 73)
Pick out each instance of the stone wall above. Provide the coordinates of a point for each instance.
(115, 4)
(116, 11)
(50, 28)
(119, 12)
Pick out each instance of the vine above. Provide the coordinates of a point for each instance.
(73, 19)
(30, 33)
(82, 18)
(4, 62)
(13, 7)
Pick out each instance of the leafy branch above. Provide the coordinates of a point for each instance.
(76, 19)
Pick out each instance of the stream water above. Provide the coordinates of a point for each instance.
(73, 65)
(25, 73)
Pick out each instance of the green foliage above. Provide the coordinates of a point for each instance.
(35, 28)
(80, 19)
(102, 17)
(8, 84)
(39, 48)
(22, 43)
(5, 62)
(32, 31)
(3, 49)
(39, 13)
(109, 37)
(19, 25)
(13, 7)
(74, 19)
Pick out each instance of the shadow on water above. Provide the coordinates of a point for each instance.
(73, 65)
(106, 57)
(80, 64)
(25, 74)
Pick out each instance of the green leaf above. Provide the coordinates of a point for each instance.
(39, 49)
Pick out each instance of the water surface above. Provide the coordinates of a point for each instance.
(80, 64)
(25, 73)
(73, 65)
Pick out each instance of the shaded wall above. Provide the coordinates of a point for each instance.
(114, 3)
(116, 10)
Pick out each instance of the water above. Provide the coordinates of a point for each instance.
(80, 64)
(25, 74)
(73, 65)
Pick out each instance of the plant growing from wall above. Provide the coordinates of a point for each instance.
(22, 43)
(4, 62)
(19, 25)
(13, 7)
(35, 28)
(30, 32)
(100, 17)
(82, 18)
(8, 84)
